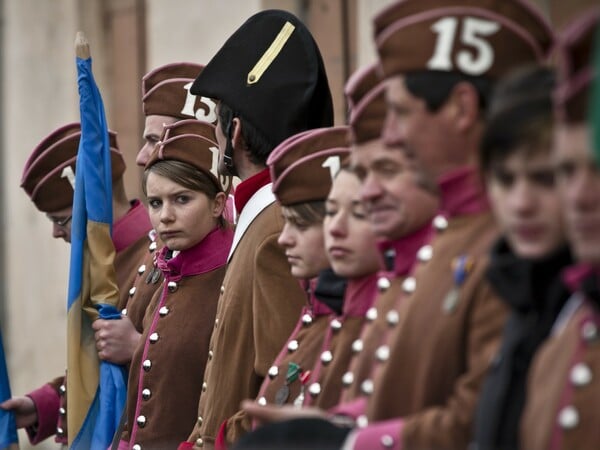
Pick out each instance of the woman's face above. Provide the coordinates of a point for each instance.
(526, 203)
(304, 247)
(349, 236)
(182, 217)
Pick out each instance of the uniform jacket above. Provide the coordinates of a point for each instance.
(561, 411)
(535, 294)
(451, 324)
(164, 379)
(131, 239)
(371, 349)
(321, 345)
(259, 304)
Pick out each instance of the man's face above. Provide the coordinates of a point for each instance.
(153, 127)
(526, 204)
(61, 223)
(393, 191)
(578, 181)
(423, 135)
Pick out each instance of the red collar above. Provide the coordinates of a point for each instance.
(462, 193)
(247, 188)
(406, 249)
(131, 227)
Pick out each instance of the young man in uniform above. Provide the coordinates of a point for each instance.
(270, 82)
(48, 179)
(561, 410)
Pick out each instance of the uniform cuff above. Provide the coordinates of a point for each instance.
(379, 436)
(47, 402)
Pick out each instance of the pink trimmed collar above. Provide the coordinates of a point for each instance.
(209, 254)
(247, 188)
(406, 249)
(462, 193)
(360, 295)
(573, 276)
(131, 227)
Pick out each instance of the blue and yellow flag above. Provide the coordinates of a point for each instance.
(96, 390)
(8, 429)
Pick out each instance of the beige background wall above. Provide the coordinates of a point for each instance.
(38, 93)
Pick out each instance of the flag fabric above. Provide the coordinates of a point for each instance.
(595, 99)
(8, 429)
(96, 390)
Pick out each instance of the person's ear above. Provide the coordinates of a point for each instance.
(219, 204)
(464, 106)
(237, 140)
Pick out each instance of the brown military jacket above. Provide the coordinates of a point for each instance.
(563, 394)
(132, 240)
(451, 325)
(371, 350)
(259, 304)
(166, 369)
(321, 346)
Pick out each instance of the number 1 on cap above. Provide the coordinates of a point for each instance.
(68, 173)
(333, 163)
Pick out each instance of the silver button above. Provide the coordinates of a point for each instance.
(172, 286)
(387, 441)
(273, 372)
(147, 365)
(425, 253)
(222, 288)
(200, 420)
(326, 357)
(210, 355)
(589, 331)
(581, 374)
(60, 431)
(199, 442)
(440, 223)
(163, 311)
(262, 401)
(141, 421)
(357, 346)
(292, 346)
(568, 417)
(62, 389)
(136, 447)
(409, 285)
(314, 389)
(335, 324)
(216, 322)
(142, 269)
(146, 393)
(124, 312)
(362, 421)
(204, 386)
(383, 284)
(348, 379)
(392, 318)
(152, 246)
(307, 319)
(153, 337)
(371, 314)
(367, 387)
(382, 353)
(62, 411)
(132, 291)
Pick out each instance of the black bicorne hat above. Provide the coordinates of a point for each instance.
(270, 72)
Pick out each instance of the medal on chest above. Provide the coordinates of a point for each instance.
(461, 267)
(283, 393)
